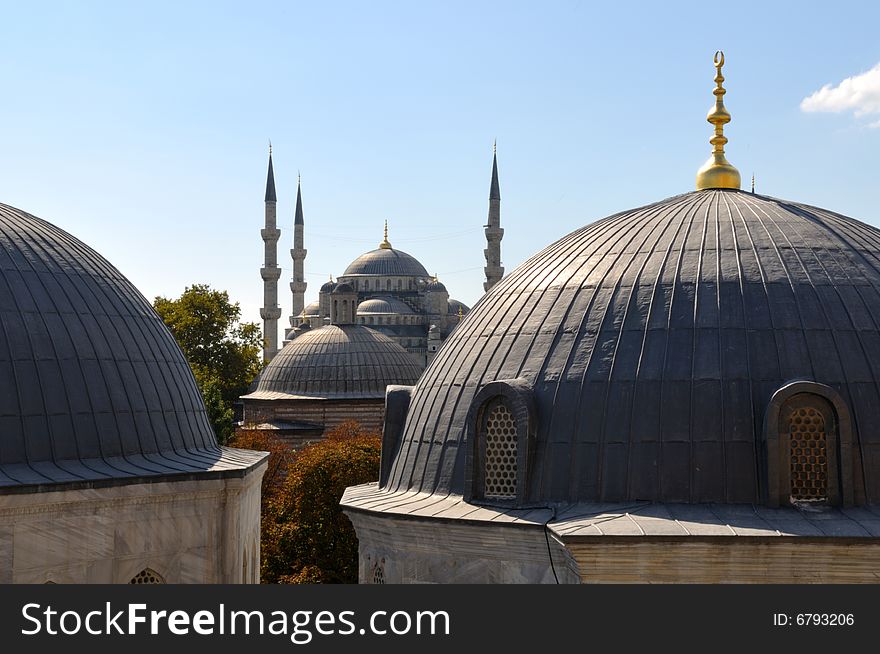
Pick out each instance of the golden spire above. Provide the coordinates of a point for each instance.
(753, 183)
(460, 313)
(385, 244)
(717, 171)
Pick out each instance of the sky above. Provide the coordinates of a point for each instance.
(143, 128)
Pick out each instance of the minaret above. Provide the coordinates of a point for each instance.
(270, 272)
(298, 254)
(494, 233)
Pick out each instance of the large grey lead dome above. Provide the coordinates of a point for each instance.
(92, 384)
(386, 261)
(653, 343)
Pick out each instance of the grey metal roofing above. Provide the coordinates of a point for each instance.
(327, 287)
(270, 183)
(93, 386)
(653, 340)
(632, 519)
(386, 262)
(343, 288)
(312, 309)
(454, 306)
(435, 286)
(384, 304)
(336, 361)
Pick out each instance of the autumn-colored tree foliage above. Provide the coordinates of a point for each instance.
(280, 456)
(305, 536)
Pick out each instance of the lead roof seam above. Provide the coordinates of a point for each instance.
(682, 209)
(690, 211)
(570, 242)
(101, 273)
(648, 231)
(742, 294)
(853, 414)
(698, 277)
(107, 272)
(548, 269)
(17, 243)
(39, 236)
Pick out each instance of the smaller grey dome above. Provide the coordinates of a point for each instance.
(455, 305)
(328, 287)
(312, 309)
(336, 362)
(343, 288)
(436, 287)
(383, 305)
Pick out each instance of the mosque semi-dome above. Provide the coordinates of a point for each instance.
(384, 305)
(94, 387)
(335, 362)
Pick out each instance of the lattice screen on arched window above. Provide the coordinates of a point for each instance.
(809, 455)
(147, 576)
(500, 459)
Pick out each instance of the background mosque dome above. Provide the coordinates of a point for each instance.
(455, 305)
(336, 361)
(384, 305)
(436, 286)
(388, 262)
(652, 343)
(312, 309)
(94, 387)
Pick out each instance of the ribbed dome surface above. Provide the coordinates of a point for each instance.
(384, 305)
(653, 340)
(386, 262)
(312, 309)
(455, 305)
(336, 361)
(92, 384)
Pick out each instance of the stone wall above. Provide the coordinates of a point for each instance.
(190, 531)
(394, 550)
(370, 413)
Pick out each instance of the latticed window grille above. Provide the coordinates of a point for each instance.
(147, 577)
(501, 453)
(379, 574)
(809, 455)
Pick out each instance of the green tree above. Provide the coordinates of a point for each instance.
(224, 354)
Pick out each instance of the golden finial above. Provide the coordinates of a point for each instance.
(460, 313)
(753, 183)
(385, 244)
(717, 171)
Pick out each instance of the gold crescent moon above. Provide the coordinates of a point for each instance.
(719, 59)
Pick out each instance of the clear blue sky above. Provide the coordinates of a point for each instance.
(143, 128)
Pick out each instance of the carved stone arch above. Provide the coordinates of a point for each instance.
(501, 427)
(829, 415)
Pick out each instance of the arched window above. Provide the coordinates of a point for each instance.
(809, 447)
(379, 572)
(147, 576)
(399, 284)
(387, 284)
(501, 425)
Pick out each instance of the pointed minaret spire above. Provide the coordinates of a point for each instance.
(270, 179)
(298, 254)
(270, 272)
(494, 271)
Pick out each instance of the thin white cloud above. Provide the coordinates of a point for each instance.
(859, 94)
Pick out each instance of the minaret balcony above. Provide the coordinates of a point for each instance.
(270, 274)
(298, 253)
(270, 234)
(270, 314)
